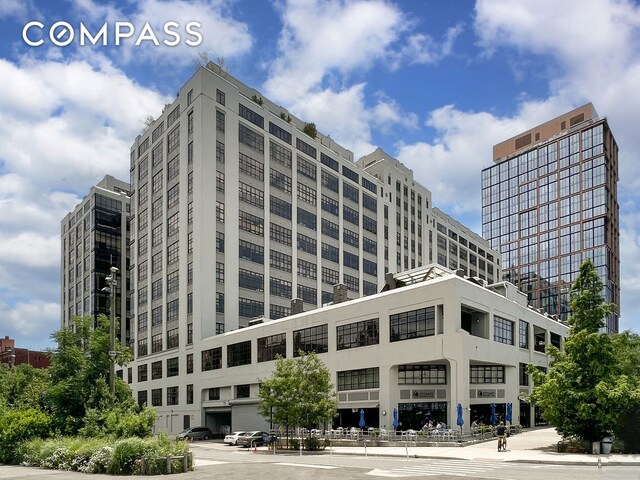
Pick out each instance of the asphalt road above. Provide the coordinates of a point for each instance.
(217, 461)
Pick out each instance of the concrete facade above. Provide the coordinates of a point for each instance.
(432, 340)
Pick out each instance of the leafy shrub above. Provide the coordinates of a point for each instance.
(126, 456)
(105, 455)
(312, 444)
(311, 130)
(295, 444)
(17, 426)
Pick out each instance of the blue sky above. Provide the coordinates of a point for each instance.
(435, 83)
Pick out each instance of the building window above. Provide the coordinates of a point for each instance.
(173, 140)
(250, 308)
(142, 347)
(156, 343)
(330, 229)
(173, 282)
(369, 246)
(156, 397)
(250, 280)
(156, 317)
(371, 225)
(142, 398)
(351, 238)
(142, 373)
(280, 154)
(159, 130)
(249, 137)
(361, 379)
(307, 269)
(329, 162)
(280, 288)
(156, 290)
(220, 212)
(278, 311)
(352, 283)
(306, 193)
(412, 324)
(280, 133)
(307, 244)
(329, 252)
(251, 223)
(173, 338)
(280, 261)
(350, 192)
(351, 260)
(173, 310)
(502, 330)
(142, 322)
(307, 219)
(243, 391)
(220, 97)
(189, 396)
(220, 272)
(486, 374)
(189, 333)
(350, 174)
(422, 375)
(330, 276)
(305, 148)
(523, 375)
(280, 207)
(251, 251)
(272, 346)
(329, 205)
(280, 234)
(308, 294)
(239, 354)
(350, 215)
(523, 334)
(219, 152)
(219, 302)
(358, 334)
(173, 196)
(172, 395)
(250, 115)
(312, 339)
(156, 370)
(214, 393)
(280, 181)
(173, 253)
(173, 225)
(220, 242)
(212, 359)
(251, 195)
(189, 362)
(173, 367)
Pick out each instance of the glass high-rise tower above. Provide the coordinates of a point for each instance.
(550, 202)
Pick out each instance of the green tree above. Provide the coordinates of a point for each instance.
(79, 374)
(299, 392)
(586, 387)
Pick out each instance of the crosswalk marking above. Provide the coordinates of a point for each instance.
(326, 467)
(201, 462)
(458, 468)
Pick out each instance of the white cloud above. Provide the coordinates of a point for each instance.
(27, 321)
(222, 35)
(57, 139)
(421, 48)
(17, 8)
(322, 45)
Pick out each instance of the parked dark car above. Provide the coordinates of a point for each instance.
(255, 438)
(195, 433)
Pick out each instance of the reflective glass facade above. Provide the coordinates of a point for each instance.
(550, 206)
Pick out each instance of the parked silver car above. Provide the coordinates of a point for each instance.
(195, 433)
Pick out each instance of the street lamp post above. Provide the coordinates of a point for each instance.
(111, 288)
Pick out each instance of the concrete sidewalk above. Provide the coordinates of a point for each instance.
(532, 446)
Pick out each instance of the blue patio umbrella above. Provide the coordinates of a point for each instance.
(361, 423)
(460, 419)
(509, 416)
(395, 418)
(493, 418)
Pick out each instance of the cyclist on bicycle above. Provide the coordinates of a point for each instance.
(501, 433)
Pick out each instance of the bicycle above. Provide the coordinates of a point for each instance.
(502, 443)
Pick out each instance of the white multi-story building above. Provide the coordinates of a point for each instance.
(416, 233)
(430, 340)
(241, 210)
(95, 237)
